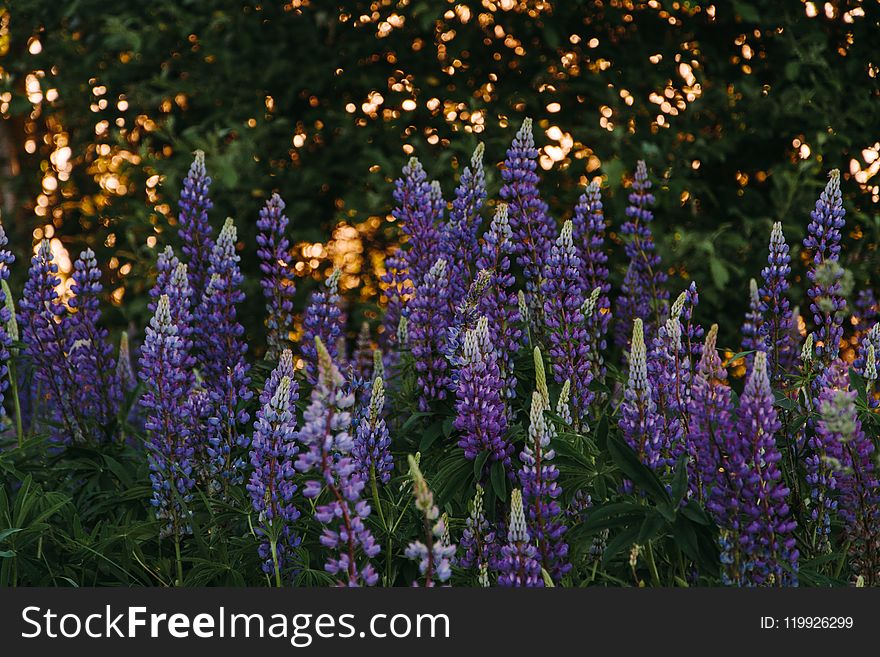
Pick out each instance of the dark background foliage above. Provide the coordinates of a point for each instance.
(282, 96)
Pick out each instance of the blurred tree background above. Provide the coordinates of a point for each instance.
(739, 108)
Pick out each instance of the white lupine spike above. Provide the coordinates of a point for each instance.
(678, 306)
(589, 305)
(517, 531)
(162, 318)
(179, 277)
(281, 399)
(522, 306)
(285, 363)
(563, 407)
(377, 399)
(541, 378)
(402, 332)
(12, 324)
(871, 364)
(477, 157)
(807, 349)
(333, 280)
(378, 364)
(539, 431)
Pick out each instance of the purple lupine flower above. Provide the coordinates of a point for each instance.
(519, 565)
(325, 436)
(435, 557)
(532, 226)
(97, 393)
(842, 443)
(643, 294)
(669, 368)
(481, 414)
(362, 359)
(396, 292)
(272, 455)
(279, 280)
(480, 548)
(460, 242)
(428, 321)
(499, 302)
(170, 452)
(417, 214)
(42, 318)
(219, 338)
(751, 329)
(464, 318)
(711, 430)
(777, 327)
(693, 332)
(372, 444)
(323, 319)
(867, 310)
(823, 239)
(870, 343)
(540, 491)
(195, 230)
(639, 419)
(565, 324)
(766, 528)
(589, 239)
(6, 261)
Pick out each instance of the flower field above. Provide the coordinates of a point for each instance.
(511, 419)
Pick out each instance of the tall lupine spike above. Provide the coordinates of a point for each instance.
(435, 556)
(42, 316)
(751, 329)
(219, 338)
(271, 485)
(871, 338)
(378, 365)
(866, 310)
(124, 369)
(639, 420)
(540, 490)
(669, 371)
(589, 239)
(166, 263)
(362, 359)
(564, 322)
(428, 322)
(842, 444)
(541, 377)
(823, 240)
(170, 450)
(372, 444)
(417, 204)
(460, 238)
(403, 333)
(6, 261)
(481, 414)
(643, 294)
(518, 565)
(97, 394)
(323, 319)
(464, 318)
(711, 427)
(480, 548)
(563, 405)
(777, 327)
(194, 229)
(327, 442)
(499, 303)
(533, 228)
(279, 279)
(765, 525)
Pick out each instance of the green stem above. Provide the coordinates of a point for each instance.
(179, 560)
(274, 545)
(652, 565)
(13, 383)
(376, 501)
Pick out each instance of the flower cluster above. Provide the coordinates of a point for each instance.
(541, 492)
(278, 281)
(518, 564)
(435, 556)
(776, 327)
(194, 228)
(478, 542)
(327, 444)
(324, 320)
(272, 456)
(429, 317)
(8, 328)
(481, 414)
(372, 444)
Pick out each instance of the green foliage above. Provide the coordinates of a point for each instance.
(770, 79)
